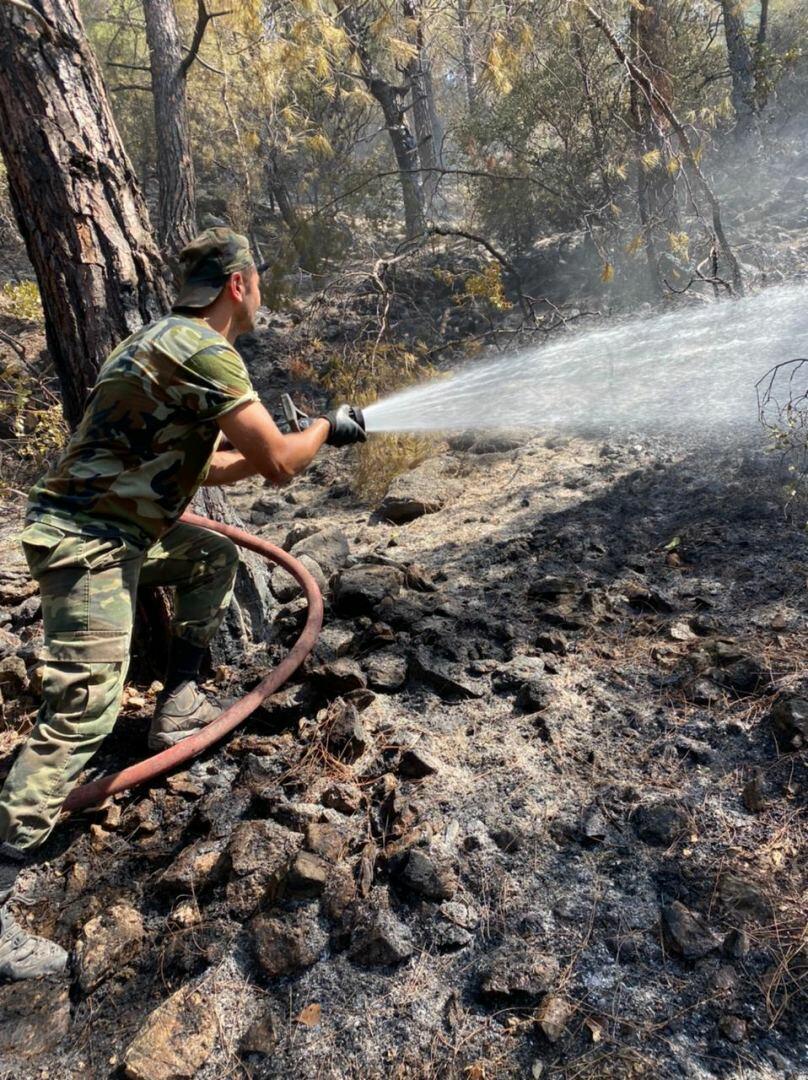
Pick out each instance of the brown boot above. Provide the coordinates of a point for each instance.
(180, 713)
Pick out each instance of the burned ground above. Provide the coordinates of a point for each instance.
(535, 807)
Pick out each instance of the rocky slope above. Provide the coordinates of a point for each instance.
(534, 808)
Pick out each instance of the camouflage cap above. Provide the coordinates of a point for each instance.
(207, 262)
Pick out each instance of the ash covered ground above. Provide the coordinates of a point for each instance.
(533, 808)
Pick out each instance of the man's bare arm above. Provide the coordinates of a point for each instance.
(226, 467)
(264, 448)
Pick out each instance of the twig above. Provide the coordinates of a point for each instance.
(17, 346)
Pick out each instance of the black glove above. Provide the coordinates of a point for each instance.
(346, 426)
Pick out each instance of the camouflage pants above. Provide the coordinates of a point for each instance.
(88, 587)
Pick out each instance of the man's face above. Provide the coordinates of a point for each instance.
(249, 300)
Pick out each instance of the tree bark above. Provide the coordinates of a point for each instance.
(176, 206)
(741, 67)
(80, 210)
(390, 99)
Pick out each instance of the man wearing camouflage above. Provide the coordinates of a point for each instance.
(104, 521)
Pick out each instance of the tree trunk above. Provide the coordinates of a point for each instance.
(423, 107)
(176, 213)
(741, 67)
(279, 195)
(77, 204)
(469, 69)
(390, 99)
(652, 41)
(75, 196)
(592, 112)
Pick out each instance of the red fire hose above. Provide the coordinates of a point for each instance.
(166, 760)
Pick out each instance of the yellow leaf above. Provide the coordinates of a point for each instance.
(651, 159)
(310, 1016)
(635, 245)
(402, 51)
(673, 165)
(607, 273)
(319, 144)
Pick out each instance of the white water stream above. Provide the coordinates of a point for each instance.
(691, 370)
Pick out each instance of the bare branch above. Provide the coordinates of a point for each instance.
(203, 17)
(17, 346)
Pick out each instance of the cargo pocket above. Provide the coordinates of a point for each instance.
(88, 591)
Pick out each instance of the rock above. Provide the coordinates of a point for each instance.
(339, 892)
(594, 826)
(511, 676)
(260, 854)
(733, 1028)
(307, 876)
(346, 737)
(423, 490)
(379, 938)
(13, 676)
(285, 588)
(345, 798)
(741, 894)
(358, 590)
(338, 677)
(660, 823)
(262, 1035)
(555, 643)
(737, 943)
(431, 873)
(176, 1039)
(107, 943)
(288, 943)
(196, 867)
(265, 509)
(535, 695)
(327, 840)
(443, 678)
(16, 586)
(516, 972)
(553, 1015)
(687, 933)
(34, 1018)
(552, 586)
(9, 643)
(386, 672)
(642, 598)
(328, 548)
(703, 690)
(754, 793)
(789, 721)
(508, 838)
(417, 762)
(27, 611)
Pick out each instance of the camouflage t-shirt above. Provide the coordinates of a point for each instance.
(148, 433)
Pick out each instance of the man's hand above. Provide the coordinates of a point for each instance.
(345, 428)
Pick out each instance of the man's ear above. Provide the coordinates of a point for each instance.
(236, 285)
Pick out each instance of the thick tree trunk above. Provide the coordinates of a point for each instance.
(79, 208)
(741, 66)
(390, 100)
(75, 196)
(176, 216)
(279, 194)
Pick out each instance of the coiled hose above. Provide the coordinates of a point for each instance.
(94, 792)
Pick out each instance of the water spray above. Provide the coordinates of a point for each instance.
(688, 371)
